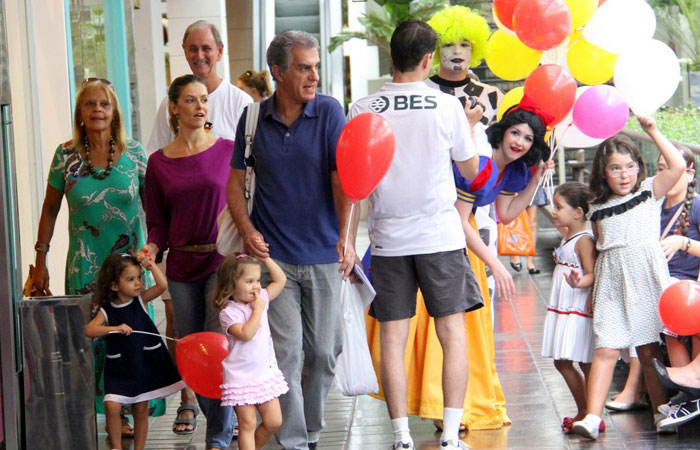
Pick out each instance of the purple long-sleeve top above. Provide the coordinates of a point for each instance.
(183, 199)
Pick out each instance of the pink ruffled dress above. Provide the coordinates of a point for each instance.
(251, 375)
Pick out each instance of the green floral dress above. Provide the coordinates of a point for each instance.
(103, 217)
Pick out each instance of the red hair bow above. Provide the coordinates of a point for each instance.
(528, 104)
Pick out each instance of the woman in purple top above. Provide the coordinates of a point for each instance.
(185, 191)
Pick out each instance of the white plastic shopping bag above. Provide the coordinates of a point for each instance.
(354, 372)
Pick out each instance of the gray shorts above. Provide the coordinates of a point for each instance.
(446, 280)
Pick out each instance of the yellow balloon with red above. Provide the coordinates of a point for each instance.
(590, 64)
(581, 11)
(511, 98)
(510, 59)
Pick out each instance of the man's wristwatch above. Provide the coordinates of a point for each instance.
(44, 248)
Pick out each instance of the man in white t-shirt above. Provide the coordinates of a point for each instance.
(415, 230)
(462, 36)
(203, 50)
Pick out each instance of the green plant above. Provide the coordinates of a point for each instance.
(678, 24)
(380, 24)
(680, 124)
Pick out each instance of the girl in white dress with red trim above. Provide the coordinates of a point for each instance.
(252, 380)
(568, 327)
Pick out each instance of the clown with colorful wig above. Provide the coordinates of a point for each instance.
(462, 35)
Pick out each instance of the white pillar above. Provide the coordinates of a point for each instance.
(150, 62)
(42, 118)
(181, 13)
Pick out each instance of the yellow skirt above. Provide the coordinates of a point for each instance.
(484, 405)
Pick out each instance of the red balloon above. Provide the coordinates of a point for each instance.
(199, 358)
(364, 153)
(504, 11)
(542, 24)
(679, 307)
(553, 89)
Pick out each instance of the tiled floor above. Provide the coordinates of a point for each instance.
(537, 397)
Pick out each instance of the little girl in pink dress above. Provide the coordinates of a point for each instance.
(252, 379)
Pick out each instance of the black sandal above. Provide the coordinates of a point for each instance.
(517, 266)
(533, 271)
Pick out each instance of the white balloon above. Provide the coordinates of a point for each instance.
(556, 55)
(569, 135)
(620, 24)
(647, 76)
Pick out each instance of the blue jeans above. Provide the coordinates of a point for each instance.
(193, 311)
(306, 326)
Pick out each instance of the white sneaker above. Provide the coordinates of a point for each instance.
(451, 445)
(666, 408)
(402, 445)
(588, 427)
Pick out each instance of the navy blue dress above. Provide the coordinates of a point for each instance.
(138, 367)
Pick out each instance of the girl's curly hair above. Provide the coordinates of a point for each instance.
(111, 270)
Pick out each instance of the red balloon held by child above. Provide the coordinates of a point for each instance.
(199, 358)
(679, 307)
(364, 153)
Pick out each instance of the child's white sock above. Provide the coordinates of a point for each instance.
(401, 431)
(450, 424)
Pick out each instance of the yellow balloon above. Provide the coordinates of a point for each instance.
(581, 11)
(589, 63)
(510, 59)
(511, 98)
(574, 36)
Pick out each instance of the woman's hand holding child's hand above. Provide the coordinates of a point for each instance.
(124, 329)
(648, 124)
(145, 257)
(671, 244)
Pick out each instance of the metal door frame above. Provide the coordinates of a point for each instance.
(10, 260)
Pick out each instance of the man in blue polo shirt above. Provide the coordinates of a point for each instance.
(299, 219)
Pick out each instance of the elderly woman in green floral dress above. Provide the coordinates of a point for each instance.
(101, 173)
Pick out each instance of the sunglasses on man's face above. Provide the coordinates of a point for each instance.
(101, 80)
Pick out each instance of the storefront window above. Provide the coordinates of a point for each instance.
(87, 26)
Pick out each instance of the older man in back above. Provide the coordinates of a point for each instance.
(203, 49)
(299, 219)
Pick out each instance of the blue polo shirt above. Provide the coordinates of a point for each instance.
(293, 206)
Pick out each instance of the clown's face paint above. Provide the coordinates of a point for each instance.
(455, 57)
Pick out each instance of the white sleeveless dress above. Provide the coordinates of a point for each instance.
(568, 328)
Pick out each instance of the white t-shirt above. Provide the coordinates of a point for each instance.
(226, 104)
(412, 209)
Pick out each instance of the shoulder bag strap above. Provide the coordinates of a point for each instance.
(672, 222)
(251, 125)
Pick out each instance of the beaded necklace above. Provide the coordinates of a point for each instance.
(88, 161)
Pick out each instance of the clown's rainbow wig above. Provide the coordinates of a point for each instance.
(457, 24)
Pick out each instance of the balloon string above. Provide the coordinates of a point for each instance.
(146, 332)
(347, 232)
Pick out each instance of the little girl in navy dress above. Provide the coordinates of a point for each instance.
(138, 367)
(252, 379)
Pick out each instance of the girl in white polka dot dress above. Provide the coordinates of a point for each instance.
(630, 271)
